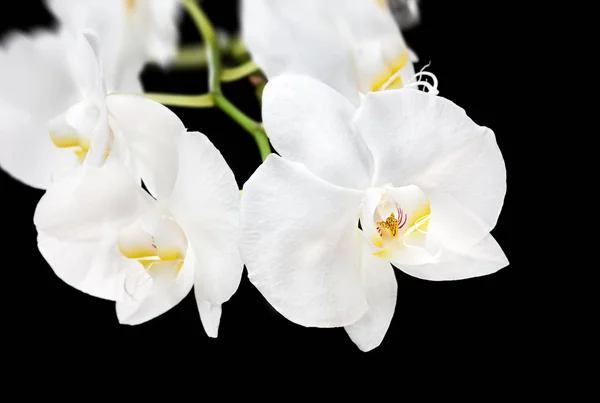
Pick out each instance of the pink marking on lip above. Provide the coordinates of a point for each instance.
(402, 218)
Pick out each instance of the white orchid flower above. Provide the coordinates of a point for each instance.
(131, 33)
(423, 181)
(102, 234)
(353, 46)
(51, 104)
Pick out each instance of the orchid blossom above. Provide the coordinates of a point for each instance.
(406, 178)
(52, 104)
(104, 235)
(354, 47)
(130, 34)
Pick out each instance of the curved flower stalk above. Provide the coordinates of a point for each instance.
(407, 178)
(354, 47)
(51, 104)
(102, 234)
(130, 34)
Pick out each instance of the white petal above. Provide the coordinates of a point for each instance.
(94, 267)
(165, 14)
(35, 76)
(425, 140)
(456, 227)
(108, 20)
(367, 210)
(84, 64)
(377, 70)
(381, 290)
(484, 258)
(163, 296)
(130, 33)
(309, 122)
(26, 150)
(343, 44)
(412, 56)
(35, 86)
(211, 317)
(299, 37)
(377, 44)
(365, 19)
(205, 201)
(299, 244)
(90, 203)
(151, 131)
(78, 220)
(127, 79)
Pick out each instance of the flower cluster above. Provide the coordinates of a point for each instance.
(374, 167)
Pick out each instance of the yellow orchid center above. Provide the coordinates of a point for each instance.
(160, 245)
(76, 128)
(389, 77)
(80, 145)
(391, 225)
(395, 219)
(404, 232)
(395, 223)
(381, 3)
(131, 6)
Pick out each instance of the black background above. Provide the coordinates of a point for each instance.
(466, 329)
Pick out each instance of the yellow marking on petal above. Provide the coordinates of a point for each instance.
(164, 270)
(137, 252)
(381, 3)
(179, 267)
(72, 140)
(396, 84)
(390, 225)
(64, 141)
(81, 154)
(85, 143)
(107, 152)
(169, 254)
(400, 61)
(131, 6)
(421, 214)
(417, 229)
(384, 254)
(382, 79)
(135, 243)
(150, 264)
(419, 225)
(146, 263)
(377, 240)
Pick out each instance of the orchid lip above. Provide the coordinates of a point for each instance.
(390, 77)
(72, 129)
(158, 243)
(395, 218)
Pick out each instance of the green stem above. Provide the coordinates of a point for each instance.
(259, 91)
(238, 72)
(214, 59)
(251, 126)
(194, 55)
(191, 56)
(187, 101)
(237, 49)
(210, 38)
